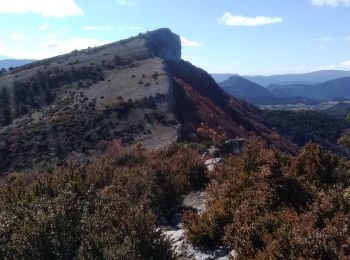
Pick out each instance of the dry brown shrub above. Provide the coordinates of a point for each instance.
(107, 209)
(268, 205)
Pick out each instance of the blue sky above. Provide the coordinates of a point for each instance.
(235, 36)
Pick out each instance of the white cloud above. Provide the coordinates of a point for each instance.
(324, 39)
(187, 43)
(332, 39)
(44, 26)
(328, 67)
(239, 20)
(97, 28)
(128, 28)
(124, 2)
(18, 36)
(290, 69)
(333, 3)
(47, 48)
(345, 65)
(329, 39)
(45, 8)
(56, 47)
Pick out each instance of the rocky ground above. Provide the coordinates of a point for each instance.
(198, 201)
(176, 234)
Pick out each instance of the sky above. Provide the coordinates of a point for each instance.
(248, 37)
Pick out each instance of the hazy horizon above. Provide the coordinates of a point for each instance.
(3, 58)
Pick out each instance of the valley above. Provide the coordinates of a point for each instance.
(338, 108)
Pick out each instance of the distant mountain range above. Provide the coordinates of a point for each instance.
(333, 89)
(306, 78)
(287, 79)
(330, 97)
(255, 94)
(8, 63)
(245, 89)
(220, 77)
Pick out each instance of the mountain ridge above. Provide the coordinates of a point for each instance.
(286, 79)
(243, 88)
(314, 77)
(72, 106)
(255, 94)
(333, 89)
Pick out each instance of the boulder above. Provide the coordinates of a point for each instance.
(213, 151)
(212, 162)
(234, 146)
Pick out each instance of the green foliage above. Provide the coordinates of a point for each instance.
(268, 205)
(345, 140)
(39, 89)
(3, 71)
(314, 166)
(107, 209)
(348, 117)
(305, 126)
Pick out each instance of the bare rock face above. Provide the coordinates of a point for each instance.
(164, 44)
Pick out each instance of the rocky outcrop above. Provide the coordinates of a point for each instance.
(186, 250)
(164, 44)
